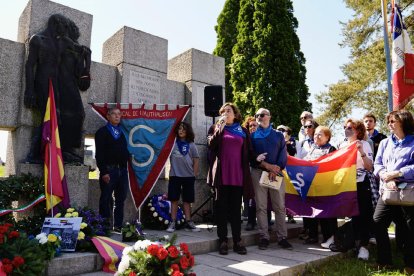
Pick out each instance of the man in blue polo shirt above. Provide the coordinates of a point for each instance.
(271, 142)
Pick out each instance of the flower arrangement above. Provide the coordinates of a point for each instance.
(50, 244)
(158, 213)
(132, 232)
(20, 255)
(153, 258)
(92, 225)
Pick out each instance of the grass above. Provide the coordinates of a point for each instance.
(350, 265)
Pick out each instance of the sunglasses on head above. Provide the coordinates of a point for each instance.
(281, 129)
(260, 115)
(308, 126)
(348, 128)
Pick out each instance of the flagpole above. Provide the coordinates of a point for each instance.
(387, 53)
(50, 180)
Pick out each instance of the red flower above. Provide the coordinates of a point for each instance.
(3, 229)
(13, 234)
(191, 261)
(173, 251)
(192, 274)
(184, 247)
(153, 249)
(162, 253)
(132, 273)
(17, 261)
(177, 273)
(184, 262)
(8, 268)
(1, 238)
(175, 267)
(6, 261)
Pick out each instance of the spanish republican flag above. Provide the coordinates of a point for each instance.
(55, 182)
(325, 187)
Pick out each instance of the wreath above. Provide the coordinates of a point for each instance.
(158, 216)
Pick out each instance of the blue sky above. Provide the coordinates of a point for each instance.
(190, 24)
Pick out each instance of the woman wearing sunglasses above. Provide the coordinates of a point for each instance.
(229, 173)
(355, 132)
(305, 145)
(394, 164)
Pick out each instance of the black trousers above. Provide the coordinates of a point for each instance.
(403, 217)
(228, 207)
(363, 223)
(328, 227)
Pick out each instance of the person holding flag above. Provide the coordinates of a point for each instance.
(111, 158)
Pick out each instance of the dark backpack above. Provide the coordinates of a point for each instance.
(344, 238)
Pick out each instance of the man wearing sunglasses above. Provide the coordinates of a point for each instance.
(306, 115)
(268, 141)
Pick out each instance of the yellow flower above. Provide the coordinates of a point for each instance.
(81, 235)
(75, 214)
(68, 215)
(51, 238)
(58, 215)
(83, 225)
(70, 210)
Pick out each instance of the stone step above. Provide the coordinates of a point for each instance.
(273, 261)
(203, 242)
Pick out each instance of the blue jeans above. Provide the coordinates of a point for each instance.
(118, 185)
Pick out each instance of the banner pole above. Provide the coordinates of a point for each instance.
(387, 53)
(50, 180)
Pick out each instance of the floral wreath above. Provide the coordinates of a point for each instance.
(160, 208)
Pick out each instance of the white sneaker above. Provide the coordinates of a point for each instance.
(171, 227)
(328, 242)
(190, 226)
(363, 253)
(372, 241)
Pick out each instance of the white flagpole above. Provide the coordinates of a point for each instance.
(387, 54)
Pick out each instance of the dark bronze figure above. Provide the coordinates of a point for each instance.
(56, 54)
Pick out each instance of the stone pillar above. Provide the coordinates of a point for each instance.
(196, 69)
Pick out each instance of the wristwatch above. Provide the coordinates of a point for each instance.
(400, 174)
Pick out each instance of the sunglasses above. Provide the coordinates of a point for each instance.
(308, 126)
(392, 121)
(281, 129)
(260, 115)
(347, 128)
(252, 126)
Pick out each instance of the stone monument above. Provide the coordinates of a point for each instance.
(134, 68)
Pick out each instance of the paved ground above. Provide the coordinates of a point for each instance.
(273, 261)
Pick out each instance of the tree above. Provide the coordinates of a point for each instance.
(226, 30)
(267, 68)
(364, 85)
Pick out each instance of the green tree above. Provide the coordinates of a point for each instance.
(267, 68)
(226, 30)
(364, 85)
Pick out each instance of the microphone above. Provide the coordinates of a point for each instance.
(222, 120)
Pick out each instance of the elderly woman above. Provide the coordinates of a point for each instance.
(355, 132)
(321, 147)
(394, 165)
(229, 173)
(306, 144)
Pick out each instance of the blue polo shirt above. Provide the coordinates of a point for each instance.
(275, 146)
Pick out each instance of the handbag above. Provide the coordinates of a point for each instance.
(266, 182)
(403, 195)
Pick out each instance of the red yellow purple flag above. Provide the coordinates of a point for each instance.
(325, 187)
(55, 182)
(110, 250)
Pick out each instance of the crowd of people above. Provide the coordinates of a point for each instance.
(242, 152)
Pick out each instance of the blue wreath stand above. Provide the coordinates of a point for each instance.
(160, 209)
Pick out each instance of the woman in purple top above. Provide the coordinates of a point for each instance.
(394, 165)
(229, 173)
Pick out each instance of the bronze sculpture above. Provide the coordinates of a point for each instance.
(56, 54)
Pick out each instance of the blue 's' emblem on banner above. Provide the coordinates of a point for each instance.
(146, 138)
(301, 178)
